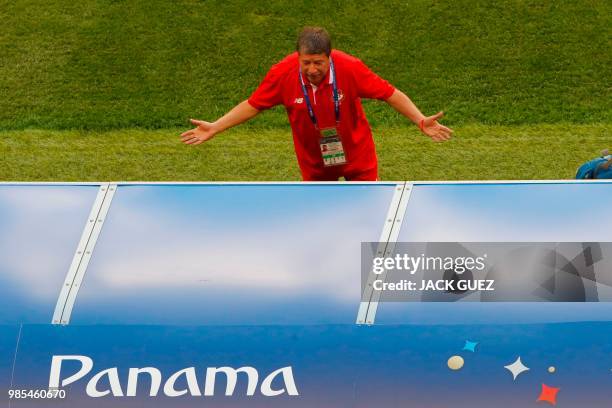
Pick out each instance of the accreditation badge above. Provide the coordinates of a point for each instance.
(332, 150)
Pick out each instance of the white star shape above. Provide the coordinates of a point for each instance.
(517, 368)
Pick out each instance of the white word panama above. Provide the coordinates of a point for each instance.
(110, 377)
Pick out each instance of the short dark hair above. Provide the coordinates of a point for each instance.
(314, 40)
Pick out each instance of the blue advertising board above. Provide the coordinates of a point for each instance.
(322, 366)
(247, 296)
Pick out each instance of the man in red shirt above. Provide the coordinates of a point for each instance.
(321, 90)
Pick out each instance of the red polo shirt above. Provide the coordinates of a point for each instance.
(354, 81)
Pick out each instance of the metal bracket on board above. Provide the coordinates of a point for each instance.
(388, 238)
(80, 261)
(380, 250)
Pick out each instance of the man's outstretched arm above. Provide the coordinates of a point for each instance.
(428, 124)
(207, 130)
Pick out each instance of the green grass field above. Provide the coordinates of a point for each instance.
(477, 152)
(100, 90)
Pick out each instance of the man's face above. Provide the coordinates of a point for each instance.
(314, 66)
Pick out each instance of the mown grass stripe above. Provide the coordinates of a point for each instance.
(242, 154)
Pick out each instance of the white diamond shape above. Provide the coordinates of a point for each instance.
(517, 368)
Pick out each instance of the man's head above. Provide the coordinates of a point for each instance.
(314, 48)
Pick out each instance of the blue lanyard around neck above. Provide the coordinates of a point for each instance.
(311, 112)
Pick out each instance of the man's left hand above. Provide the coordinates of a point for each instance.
(433, 129)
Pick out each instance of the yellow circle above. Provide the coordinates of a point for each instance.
(455, 363)
(551, 369)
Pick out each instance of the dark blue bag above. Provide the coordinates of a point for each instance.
(599, 168)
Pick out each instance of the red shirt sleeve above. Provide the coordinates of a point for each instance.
(370, 85)
(269, 92)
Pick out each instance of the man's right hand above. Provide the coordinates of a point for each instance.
(207, 130)
(203, 132)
